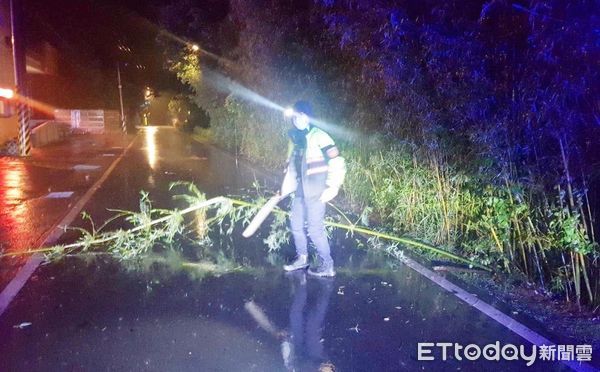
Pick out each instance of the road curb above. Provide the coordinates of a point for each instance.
(25, 272)
(511, 324)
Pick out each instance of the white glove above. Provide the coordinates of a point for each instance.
(328, 194)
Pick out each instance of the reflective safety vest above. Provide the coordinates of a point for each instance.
(322, 166)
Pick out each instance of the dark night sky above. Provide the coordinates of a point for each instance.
(88, 33)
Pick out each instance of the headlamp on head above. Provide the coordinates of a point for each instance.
(288, 112)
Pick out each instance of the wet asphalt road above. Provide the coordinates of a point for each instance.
(99, 315)
(28, 210)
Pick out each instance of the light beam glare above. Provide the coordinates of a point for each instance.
(197, 48)
(151, 148)
(337, 130)
(34, 104)
(226, 85)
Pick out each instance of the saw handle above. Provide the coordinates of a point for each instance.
(261, 215)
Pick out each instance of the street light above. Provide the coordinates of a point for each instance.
(7, 93)
(6, 104)
(148, 94)
(195, 47)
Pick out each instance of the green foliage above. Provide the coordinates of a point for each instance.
(462, 144)
(185, 115)
(279, 234)
(567, 232)
(188, 69)
(253, 132)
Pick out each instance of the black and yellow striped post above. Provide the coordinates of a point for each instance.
(23, 114)
(18, 53)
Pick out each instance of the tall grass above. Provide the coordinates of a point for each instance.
(518, 229)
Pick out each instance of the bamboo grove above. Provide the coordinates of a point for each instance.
(474, 122)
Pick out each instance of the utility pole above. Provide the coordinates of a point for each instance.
(123, 124)
(18, 53)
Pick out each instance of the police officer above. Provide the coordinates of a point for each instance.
(315, 172)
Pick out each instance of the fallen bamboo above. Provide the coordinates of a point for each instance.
(377, 234)
(219, 200)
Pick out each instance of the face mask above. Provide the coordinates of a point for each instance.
(300, 121)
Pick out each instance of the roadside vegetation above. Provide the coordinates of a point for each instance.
(473, 124)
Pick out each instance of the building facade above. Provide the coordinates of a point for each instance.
(8, 125)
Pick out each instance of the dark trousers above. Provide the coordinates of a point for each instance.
(310, 212)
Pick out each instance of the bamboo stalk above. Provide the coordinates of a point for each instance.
(568, 286)
(403, 240)
(511, 242)
(446, 226)
(567, 173)
(539, 267)
(576, 279)
(585, 278)
(589, 210)
(193, 208)
(496, 240)
(410, 242)
(523, 255)
(350, 227)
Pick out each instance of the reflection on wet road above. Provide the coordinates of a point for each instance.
(35, 192)
(12, 197)
(103, 315)
(150, 141)
(307, 346)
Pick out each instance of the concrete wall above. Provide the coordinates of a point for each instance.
(8, 126)
(49, 132)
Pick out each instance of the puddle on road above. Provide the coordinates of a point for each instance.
(236, 310)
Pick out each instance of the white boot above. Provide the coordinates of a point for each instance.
(300, 263)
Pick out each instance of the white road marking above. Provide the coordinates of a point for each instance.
(15, 285)
(505, 320)
(85, 167)
(59, 195)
